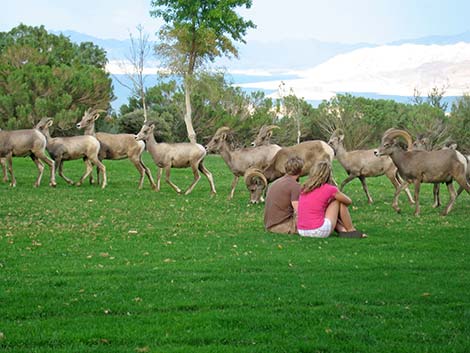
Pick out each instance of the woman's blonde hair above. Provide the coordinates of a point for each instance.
(320, 173)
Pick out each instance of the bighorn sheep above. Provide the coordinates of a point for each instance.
(117, 146)
(3, 163)
(362, 164)
(424, 167)
(69, 148)
(264, 135)
(310, 151)
(239, 160)
(422, 143)
(22, 143)
(175, 155)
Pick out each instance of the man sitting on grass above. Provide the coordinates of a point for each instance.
(282, 198)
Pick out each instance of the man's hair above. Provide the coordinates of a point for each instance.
(294, 165)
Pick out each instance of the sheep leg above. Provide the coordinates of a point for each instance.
(102, 168)
(463, 185)
(159, 177)
(209, 177)
(10, 170)
(138, 165)
(149, 174)
(167, 179)
(4, 169)
(50, 163)
(366, 189)
(417, 184)
(452, 197)
(234, 185)
(60, 167)
(435, 190)
(347, 180)
(88, 171)
(197, 176)
(397, 193)
(394, 179)
(40, 167)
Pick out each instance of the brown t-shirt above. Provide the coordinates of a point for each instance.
(279, 199)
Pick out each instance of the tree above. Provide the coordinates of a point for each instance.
(139, 52)
(460, 122)
(196, 32)
(43, 74)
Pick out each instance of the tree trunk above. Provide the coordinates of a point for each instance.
(187, 117)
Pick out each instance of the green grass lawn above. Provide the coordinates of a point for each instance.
(127, 270)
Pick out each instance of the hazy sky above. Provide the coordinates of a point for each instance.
(347, 21)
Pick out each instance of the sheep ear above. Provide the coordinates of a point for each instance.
(223, 136)
(453, 146)
(269, 134)
(49, 123)
(341, 138)
(96, 116)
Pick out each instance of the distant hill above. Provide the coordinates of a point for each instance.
(316, 70)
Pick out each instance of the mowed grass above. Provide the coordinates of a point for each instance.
(126, 270)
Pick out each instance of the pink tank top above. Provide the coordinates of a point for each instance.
(313, 205)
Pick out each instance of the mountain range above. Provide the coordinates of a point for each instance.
(317, 70)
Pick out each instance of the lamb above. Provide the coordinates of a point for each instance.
(69, 148)
(239, 160)
(117, 146)
(175, 155)
(423, 167)
(22, 143)
(257, 180)
(362, 164)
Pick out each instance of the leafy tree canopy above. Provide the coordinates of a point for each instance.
(43, 74)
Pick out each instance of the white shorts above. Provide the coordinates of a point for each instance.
(321, 232)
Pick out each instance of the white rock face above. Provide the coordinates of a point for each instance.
(385, 70)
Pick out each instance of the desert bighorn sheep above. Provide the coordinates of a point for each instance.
(264, 135)
(22, 143)
(3, 163)
(69, 148)
(175, 155)
(257, 180)
(117, 146)
(362, 164)
(239, 160)
(424, 167)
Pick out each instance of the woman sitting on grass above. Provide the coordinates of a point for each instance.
(323, 208)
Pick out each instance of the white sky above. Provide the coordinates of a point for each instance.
(346, 21)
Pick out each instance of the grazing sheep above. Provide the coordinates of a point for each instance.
(3, 164)
(175, 155)
(69, 148)
(117, 146)
(310, 152)
(363, 164)
(424, 167)
(239, 160)
(22, 143)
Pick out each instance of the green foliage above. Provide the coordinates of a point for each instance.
(43, 74)
(199, 30)
(460, 123)
(124, 270)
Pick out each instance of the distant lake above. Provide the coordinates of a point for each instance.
(122, 93)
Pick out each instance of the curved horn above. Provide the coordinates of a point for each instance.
(252, 173)
(221, 130)
(272, 127)
(392, 133)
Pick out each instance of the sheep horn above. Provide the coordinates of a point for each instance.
(392, 133)
(253, 173)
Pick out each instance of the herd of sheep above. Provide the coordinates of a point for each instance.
(259, 164)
